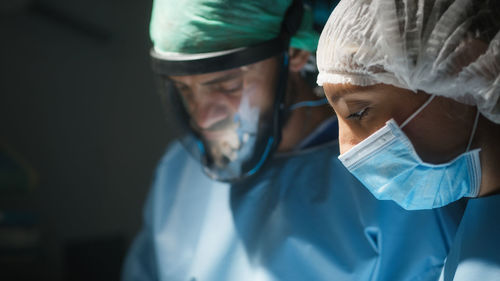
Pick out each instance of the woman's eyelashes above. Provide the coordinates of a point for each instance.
(358, 115)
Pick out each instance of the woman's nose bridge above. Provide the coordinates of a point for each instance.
(345, 136)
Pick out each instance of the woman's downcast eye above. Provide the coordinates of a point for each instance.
(358, 115)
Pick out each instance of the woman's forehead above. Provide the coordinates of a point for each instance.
(340, 90)
(381, 93)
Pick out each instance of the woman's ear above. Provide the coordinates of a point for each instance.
(298, 59)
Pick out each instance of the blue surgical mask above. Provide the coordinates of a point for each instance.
(388, 165)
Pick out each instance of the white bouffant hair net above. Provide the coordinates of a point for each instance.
(449, 48)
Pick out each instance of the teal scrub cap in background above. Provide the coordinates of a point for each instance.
(203, 26)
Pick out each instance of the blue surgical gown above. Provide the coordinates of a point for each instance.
(475, 253)
(303, 217)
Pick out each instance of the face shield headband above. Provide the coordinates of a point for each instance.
(228, 107)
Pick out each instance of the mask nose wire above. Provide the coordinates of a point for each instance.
(474, 128)
(426, 103)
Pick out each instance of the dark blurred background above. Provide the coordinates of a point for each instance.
(81, 129)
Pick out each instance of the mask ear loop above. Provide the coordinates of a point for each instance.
(474, 128)
(417, 111)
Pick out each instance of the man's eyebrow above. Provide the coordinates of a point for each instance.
(223, 78)
(175, 81)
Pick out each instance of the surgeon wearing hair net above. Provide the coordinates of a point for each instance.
(252, 188)
(416, 86)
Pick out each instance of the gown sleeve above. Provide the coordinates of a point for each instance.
(475, 253)
(140, 262)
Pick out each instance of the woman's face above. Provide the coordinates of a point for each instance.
(439, 133)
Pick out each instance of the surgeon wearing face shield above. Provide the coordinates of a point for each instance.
(415, 85)
(252, 188)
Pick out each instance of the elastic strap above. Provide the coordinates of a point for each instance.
(474, 127)
(417, 112)
(243, 56)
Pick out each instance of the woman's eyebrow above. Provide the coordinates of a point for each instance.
(339, 90)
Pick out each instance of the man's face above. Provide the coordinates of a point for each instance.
(223, 105)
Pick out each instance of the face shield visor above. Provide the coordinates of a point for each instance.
(228, 115)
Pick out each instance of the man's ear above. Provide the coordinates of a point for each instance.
(298, 59)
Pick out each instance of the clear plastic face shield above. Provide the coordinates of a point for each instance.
(229, 120)
(227, 107)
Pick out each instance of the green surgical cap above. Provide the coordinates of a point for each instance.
(202, 26)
